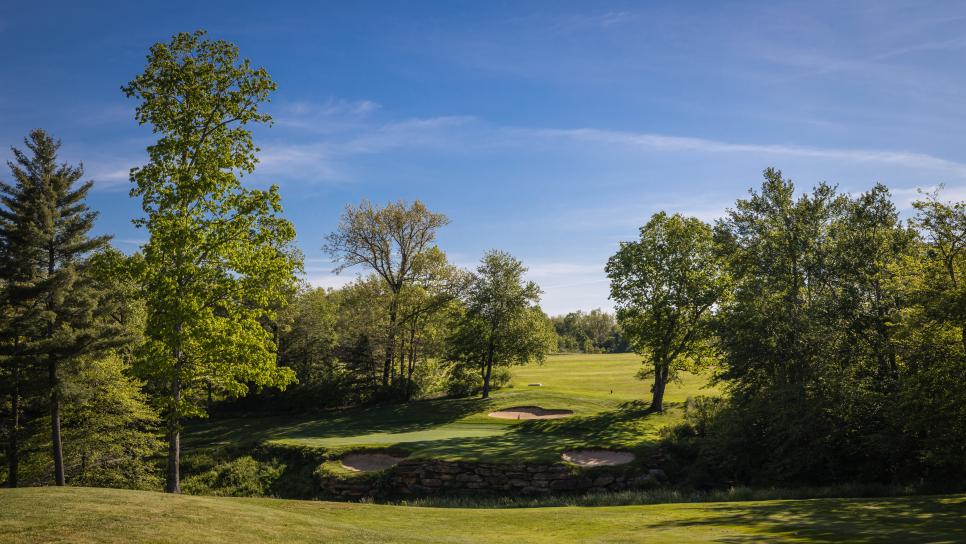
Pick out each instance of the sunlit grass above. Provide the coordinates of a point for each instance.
(608, 401)
(84, 515)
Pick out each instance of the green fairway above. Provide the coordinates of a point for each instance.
(601, 390)
(84, 515)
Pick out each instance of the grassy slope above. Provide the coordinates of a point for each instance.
(100, 515)
(600, 389)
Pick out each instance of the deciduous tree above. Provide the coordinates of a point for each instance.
(391, 241)
(665, 285)
(220, 259)
(502, 324)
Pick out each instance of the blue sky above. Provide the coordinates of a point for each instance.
(548, 129)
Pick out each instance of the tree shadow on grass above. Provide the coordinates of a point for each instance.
(545, 440)
(383, 418)
(913, 520)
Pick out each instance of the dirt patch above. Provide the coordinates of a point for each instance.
(598, 458)
(531, 412)
(369, 462)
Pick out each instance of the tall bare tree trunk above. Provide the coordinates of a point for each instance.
(173, 483)
(54, 383)
(13, 447)
(412, 363)
(661, 372)
(489, 371)
(390, 342)
(55, 439)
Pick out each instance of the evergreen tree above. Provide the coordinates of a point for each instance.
(57, 309)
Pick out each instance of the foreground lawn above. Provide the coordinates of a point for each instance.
(601, 390)
(101, 515)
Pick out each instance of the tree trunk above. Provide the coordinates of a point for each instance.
(390, 342)
(660, 383)
(13, 448)
(412, 366)
(173, 484)
(208, 400)
(489, 371)
(58, 449)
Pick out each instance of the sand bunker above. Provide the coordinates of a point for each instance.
(531, 412)
(598, 458)
(369, 462)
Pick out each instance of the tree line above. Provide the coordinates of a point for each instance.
(103, 356)
(836, 329)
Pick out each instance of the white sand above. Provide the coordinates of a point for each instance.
(369, 462)
(531, 412)
(598, 458)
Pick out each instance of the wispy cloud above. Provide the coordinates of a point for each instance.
(905, 196)
(662, 142)
(568, 286)
(328, 159)
(333, 114)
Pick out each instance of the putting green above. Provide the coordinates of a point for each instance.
(445, 432)
(608, 404)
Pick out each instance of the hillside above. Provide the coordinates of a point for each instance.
(84, 515)
(601, 390)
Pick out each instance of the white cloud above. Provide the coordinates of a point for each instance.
(662, 142)
(903, 197)
(327, 159)
(328, 280)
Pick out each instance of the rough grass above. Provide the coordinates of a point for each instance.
(601, 389)
(84, 515)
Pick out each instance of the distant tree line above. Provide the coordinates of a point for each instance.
(837, 330)
(595, 331)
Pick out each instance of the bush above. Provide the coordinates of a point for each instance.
(466, 382)
(241, 477)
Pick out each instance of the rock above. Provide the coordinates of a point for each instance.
(601, 481)
(657, 474)
(644, 482)
(563, 485)
(432, 482)
(534, 490)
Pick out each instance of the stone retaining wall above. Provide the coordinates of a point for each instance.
(429, 477)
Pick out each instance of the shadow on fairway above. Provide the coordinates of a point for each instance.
(545, 440)
(912, 520)
(394, 418)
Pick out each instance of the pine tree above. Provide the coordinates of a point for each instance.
(57, 312)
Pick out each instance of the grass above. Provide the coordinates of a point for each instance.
(82, 515)
(601, 389)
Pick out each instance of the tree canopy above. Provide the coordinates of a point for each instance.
(220, 259)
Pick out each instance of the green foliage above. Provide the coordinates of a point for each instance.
(220, 260)
(589, 332)
(665, 286)
(54, 311)
(842, 344)
(502, 323)
(109, 431)
(396, 243)
(241, 477)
